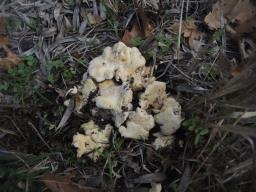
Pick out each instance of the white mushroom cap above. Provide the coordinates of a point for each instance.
(169, 117)
(79, 141)
(100, 69)
(93, 142)
(141, 78)
(121, 53)
(138, 125)
(133, 62)
(114, 98)
(154, 95)
(120, 62)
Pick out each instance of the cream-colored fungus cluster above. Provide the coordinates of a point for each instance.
(93, 141)
(116, 80)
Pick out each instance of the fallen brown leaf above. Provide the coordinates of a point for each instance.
(241, 13)
(147, 27)
(140, 28)
(236, 70)
(94, 19)
(248, 26)
(189, 30)
(134, 32)
(11, 59)
(57, 183)
(217, 16)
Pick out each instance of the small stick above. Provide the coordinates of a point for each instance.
(39, 135)
(180, 27)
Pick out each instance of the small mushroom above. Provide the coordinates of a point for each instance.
(120, 62)
(100, 69)
(138, 125)
(121, 53)
(93, 142)
(131, 63)
(169, 116)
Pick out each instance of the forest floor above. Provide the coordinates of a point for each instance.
(203, 50)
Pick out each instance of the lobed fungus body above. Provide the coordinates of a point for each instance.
(133, 101)
(93, 141)
(169, 117)
(154, 95)
(120, 62)
(138, 125)
(114, 97)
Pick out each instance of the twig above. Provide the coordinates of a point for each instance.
(39, 135)
(214, 149)
(165, 70)
(252, 142)
(210, 154)
(18, 129)
(180, 27)
(187, 6)
(22, 160)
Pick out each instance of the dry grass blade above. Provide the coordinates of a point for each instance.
(66, 115)
(180, 28)
(39, 135)
(241, 130)
(238, 170)
(242, 84)
(6, 131)
(149, 178)
(185, 180)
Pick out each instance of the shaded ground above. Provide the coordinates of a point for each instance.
(214, 148)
